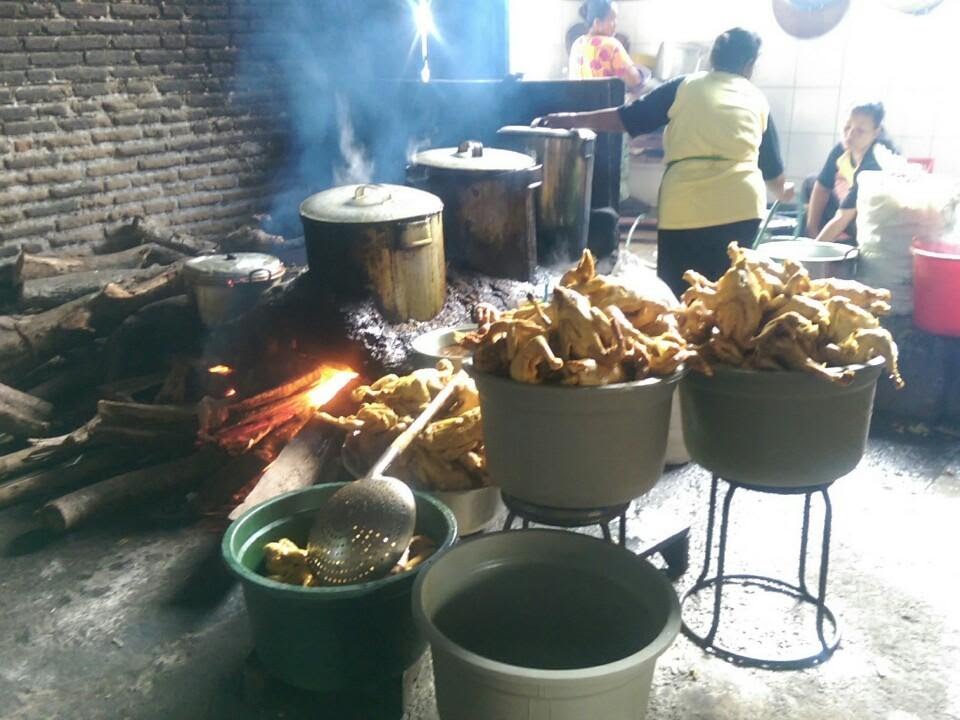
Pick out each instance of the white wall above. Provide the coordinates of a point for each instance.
(906, 61)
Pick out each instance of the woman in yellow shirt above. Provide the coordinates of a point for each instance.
(599, 54)
(722, 155)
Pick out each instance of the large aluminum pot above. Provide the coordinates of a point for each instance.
(821, 259)
(544, 624)
(489, 208)
(575, 447)
(563, 201)
(388, 238)
(777, 429)
(225, 286)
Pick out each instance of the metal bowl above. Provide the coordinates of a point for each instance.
(474, 509)
(437, 344)
(821, 259)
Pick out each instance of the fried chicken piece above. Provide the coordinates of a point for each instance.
(409, 394)
(787, 343)
(285, 562)
(813, 310)
(527, 365)
(452, 437)
(590, 372)
(576, 332)
(695, 322)
(846, 318)
(584, 272)
(373, 417)
(724, 350)
(739, 305)
(475, 463)
(865, 344)
(491, 357)
(435, 473)
(875, 300)
(420, 548)
(465, 398)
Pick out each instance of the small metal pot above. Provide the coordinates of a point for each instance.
(563, 201)
(821, 259)
(489, 208)
(226, 286)
(388, 238)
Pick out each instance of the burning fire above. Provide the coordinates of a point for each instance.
(332, 381)
(230, 392)
(220, 370)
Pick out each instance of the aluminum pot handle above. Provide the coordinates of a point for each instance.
(471, 148)
(259, 275)
(413, 235)
(854, 249)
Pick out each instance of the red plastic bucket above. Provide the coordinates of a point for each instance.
(936, 287)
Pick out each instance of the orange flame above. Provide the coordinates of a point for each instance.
(332, 381)
(230, 392)
(220, 370)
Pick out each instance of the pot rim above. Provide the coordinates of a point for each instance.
(608, 671)
(271, 269)
(673, 378)
(336, 592)
(399, 203)
(747, 372)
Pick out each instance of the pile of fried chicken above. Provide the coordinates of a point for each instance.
(447, 455)
(594, 331)
(765, 315)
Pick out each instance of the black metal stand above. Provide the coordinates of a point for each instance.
(674, 549)
(799, 591)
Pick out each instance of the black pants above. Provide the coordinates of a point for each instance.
(701, 249)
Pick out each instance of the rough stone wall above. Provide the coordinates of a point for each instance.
(115, 109)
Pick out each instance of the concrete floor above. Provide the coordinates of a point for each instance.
(136, 619)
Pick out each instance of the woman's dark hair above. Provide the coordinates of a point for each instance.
(734, 49)
(595, 10)
(876, 112)
(873, 110)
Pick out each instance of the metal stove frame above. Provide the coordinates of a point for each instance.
(799, 591)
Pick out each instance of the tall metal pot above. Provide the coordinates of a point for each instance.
(489, 211)
(563, 200)
(388, 238)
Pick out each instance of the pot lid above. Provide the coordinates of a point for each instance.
(809, 18)
(474, 157)
(581, 134)
(369, 204)
(233, 268)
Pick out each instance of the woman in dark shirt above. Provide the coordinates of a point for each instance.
(833, 201)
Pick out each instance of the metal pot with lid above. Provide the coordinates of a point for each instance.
(388, 238)
(227, 285)
(489, 207)
(563, 200)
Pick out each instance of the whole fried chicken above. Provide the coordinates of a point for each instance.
(739, 305)
(576, 332)
(846, 318)
(877, 301)
(865, 344)
(533, 360)
(453, 437)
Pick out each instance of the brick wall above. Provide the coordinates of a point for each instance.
(115, 109)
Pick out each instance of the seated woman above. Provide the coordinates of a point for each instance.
(833, 198)
(599, 54)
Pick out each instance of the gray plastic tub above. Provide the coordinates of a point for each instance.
(777, 429)
(575, 447)
(565, 598)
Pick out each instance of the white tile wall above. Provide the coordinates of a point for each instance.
(875, 53)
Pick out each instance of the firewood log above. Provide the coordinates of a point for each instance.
(88, 466)
(26, 340)
(34, 267)
(22, 415)
(48, 451)
(49, 292)
(141, 231)
(128, 489)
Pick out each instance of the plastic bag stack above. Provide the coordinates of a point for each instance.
(893, 210)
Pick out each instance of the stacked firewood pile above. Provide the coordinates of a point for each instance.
(111, 391)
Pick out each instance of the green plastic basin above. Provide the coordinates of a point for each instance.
(777, 429)
(327, 638)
